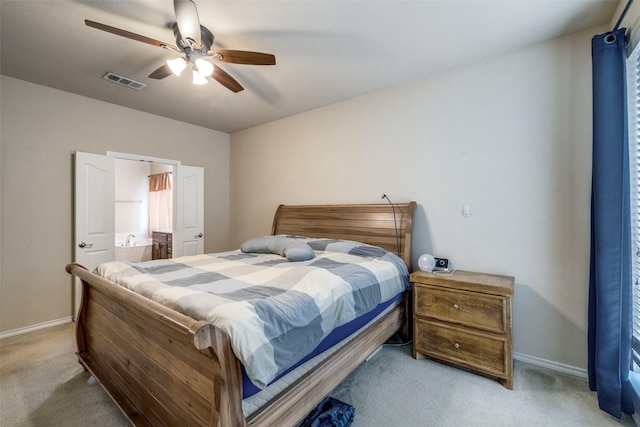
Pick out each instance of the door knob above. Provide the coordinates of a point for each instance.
(199, 235)
(85, 245)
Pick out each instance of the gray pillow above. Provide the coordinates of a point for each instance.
(298, 251)
(293, 249)
(259, 245)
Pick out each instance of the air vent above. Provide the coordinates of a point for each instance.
(123, 81)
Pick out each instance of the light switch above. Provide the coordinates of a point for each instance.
(466, 211)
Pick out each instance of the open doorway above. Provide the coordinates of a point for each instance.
(144, 205)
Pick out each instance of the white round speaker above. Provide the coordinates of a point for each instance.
(426, 262)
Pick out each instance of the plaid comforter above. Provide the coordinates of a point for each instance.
(275, 311)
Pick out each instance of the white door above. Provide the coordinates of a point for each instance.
(94, 214)
(188, 236)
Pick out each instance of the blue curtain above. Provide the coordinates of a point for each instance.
(610, 287)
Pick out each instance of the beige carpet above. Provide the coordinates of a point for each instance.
(42, 384)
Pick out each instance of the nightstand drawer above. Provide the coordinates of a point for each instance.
(461, 346)
(465, 308)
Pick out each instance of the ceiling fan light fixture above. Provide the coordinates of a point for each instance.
(198, 78)
(194, 42)
(177, 65)
(204, 67)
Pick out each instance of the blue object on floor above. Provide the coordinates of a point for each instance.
(329, 413)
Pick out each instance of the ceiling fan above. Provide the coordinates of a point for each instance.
(194, 42)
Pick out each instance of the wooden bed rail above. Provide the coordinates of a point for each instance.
(297, 400)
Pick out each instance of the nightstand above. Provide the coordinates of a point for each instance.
(464, 319)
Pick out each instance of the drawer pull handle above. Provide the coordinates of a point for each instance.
(456, 345)
(455, 306)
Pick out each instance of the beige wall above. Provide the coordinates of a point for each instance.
(40, 130)
(510, 137)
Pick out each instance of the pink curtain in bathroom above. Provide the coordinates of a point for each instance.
(160, 202)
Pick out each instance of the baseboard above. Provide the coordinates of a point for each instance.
(32, 328)
(554, 366)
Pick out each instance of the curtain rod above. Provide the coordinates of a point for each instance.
(149, 176)
(622, 15)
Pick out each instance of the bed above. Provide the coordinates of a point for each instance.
(162, 367)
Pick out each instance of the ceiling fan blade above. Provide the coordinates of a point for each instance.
(226, 80)
(129, 35)
(161, 73)
(187, 20)
(243, 57)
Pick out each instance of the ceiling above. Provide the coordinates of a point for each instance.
(326, 51)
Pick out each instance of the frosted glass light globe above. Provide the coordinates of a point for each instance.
(199, 79)
(177, 65)
(426, 262)
(205, 67)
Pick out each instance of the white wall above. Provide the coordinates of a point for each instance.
(510, 137)
(132, 198)
(40, 129)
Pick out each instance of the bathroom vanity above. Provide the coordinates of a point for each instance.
(162, 244)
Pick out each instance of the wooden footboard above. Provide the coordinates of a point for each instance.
(161, 367)
(165, 368)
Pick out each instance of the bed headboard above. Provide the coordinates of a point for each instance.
(372, 224)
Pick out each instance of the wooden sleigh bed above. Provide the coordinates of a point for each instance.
(164, 368)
